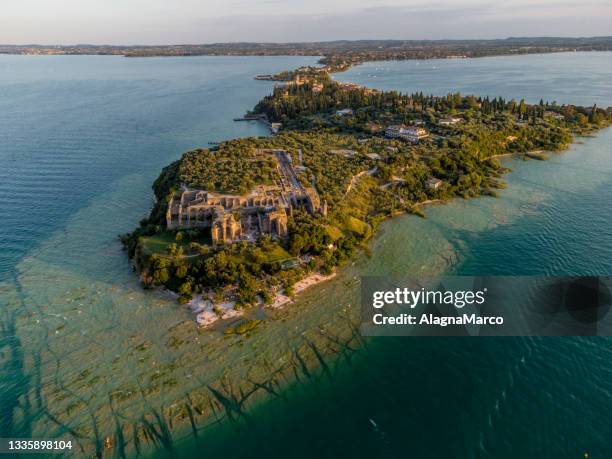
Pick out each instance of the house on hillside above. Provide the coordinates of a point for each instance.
(434, 183)
(411, 133)
(348, 86)
(554, 115)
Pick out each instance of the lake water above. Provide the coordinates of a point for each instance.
(570, 78)
(86, 353)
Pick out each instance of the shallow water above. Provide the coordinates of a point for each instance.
(86, 352)
(83, 138)
(462, 397)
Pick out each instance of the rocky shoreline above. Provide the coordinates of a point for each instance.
(208, 312)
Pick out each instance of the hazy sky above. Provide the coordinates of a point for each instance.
(205, 21)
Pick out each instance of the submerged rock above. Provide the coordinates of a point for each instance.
(206, 318)
(231, 313)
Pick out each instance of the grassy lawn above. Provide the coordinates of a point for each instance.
(334, 232)
(159, 243)
(277, 254)
(355, 225)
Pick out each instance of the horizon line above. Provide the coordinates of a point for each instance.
(242, 42)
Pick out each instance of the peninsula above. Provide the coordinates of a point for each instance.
(251, 220)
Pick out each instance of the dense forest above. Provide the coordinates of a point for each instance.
(299, 106)
(235, 167)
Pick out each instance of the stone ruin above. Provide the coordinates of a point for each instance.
(264, 210)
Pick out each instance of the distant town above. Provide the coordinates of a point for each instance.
(338, 54)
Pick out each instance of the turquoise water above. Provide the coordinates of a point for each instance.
(82, 138)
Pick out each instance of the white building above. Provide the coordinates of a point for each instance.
(344, 112)
(434, 183)
(410, 133)
(555, 115)
(449, 121)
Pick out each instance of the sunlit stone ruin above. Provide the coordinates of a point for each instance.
(264, 210)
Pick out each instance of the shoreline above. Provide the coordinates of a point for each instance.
(336, 60)
(208, 313)
(300, 286)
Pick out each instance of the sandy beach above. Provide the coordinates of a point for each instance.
(207, 313)
(281, 299)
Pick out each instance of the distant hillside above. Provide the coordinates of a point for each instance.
(335, 52)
